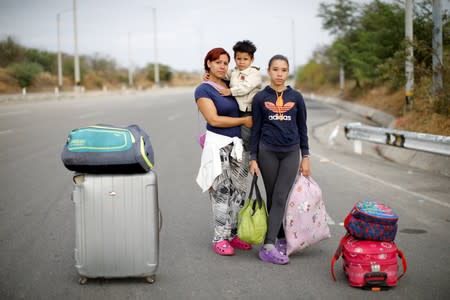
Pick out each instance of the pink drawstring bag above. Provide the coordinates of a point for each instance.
(305, 218)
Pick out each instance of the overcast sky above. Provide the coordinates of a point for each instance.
(186, 29)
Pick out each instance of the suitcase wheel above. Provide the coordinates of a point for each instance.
(82, 280)
(150, 279)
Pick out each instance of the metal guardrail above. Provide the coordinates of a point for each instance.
(404, 139)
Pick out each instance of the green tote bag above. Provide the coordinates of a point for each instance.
(252, 219)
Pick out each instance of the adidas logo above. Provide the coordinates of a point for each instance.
(279, 118)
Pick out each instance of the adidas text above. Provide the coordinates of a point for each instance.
(279, 117)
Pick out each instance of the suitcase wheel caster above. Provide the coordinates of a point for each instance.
(150, 279)
(82, 280)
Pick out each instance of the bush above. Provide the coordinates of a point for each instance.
(46, 59)
(25, 72)
(10, 52)
(311, 76)
(165, 73)
(442, 97)
(68, 67)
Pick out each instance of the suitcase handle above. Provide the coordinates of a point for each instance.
(375, 281)
(375, 278)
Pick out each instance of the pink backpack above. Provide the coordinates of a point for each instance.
(305, 219)
(369, 264)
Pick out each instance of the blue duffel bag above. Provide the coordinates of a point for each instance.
(107, 149)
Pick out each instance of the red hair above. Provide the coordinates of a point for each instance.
(214, 54)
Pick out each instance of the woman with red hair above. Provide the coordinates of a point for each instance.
(224, 164)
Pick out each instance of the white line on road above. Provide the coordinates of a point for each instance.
(92, 114)
(8, 131)
(435, 201)
(330, 220)
(173, 117)
(14, 113)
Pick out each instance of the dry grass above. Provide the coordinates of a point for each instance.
(425, 122)
(46, 82)
(380, 98)
(7, 83)
(421, 118)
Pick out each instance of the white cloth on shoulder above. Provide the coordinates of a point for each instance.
(211, 165)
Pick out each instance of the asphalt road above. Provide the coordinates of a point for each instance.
(37, 234)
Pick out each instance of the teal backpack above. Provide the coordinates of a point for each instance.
(106, 149)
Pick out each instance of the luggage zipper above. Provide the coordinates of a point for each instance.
(381, 217)
(133, 140)
(144, 154)
(100, 129)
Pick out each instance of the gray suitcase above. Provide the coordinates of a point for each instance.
(117, 226)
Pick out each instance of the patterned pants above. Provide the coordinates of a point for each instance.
(228, 194)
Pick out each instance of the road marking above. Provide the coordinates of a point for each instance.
(330, 220)
(8, 131)
(419, 195)
(173, 117)
(14, 113)
(333, 135)
(92, 114)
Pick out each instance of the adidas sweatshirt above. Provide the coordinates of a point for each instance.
(279, 122)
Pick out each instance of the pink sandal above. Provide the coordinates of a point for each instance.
(237, 243)
(223, 248)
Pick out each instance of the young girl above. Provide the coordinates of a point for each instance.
(279, 134)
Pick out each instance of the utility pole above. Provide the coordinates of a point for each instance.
(409, 63)
(155, 49)
(76, 61)
(60, 80)
(58, 37)
(293, 47)
(437, 46)
(130, 66)
(342, 78)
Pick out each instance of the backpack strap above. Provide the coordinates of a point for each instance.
(404, 264)
(338, 253)
(349, 216)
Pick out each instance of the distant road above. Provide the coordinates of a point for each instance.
(37, 235)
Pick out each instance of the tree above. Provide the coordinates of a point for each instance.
(10, 52)
(46, 59)
(380, 33)
(69, 69)
(165, 73)
(25, 72)
(101, 64)
(340, 17)
(366, 36)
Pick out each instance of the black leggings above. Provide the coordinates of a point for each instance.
(278, 170)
